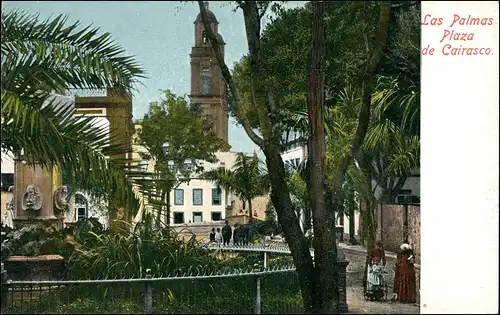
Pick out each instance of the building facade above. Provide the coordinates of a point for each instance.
(82, 206)
(296, 148)
(200, 200)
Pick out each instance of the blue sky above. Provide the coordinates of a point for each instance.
(160, 35)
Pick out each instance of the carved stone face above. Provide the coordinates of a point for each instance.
(31, 196)
(31, 199)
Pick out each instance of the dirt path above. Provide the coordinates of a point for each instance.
(355, 298)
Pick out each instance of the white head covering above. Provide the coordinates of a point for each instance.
(405, 246)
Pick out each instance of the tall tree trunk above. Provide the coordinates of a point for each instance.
(352, 224)
(159, 187)
(270, 145)
(369, 215)
(361, 224)
(325, 251)
(307, 217)
(341, 219)
(368, 83)
(289, 222)
(370, 229)
(250, 210)
(352, 219)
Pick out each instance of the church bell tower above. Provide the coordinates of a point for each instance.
(208, 87)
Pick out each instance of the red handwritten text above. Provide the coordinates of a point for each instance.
(429, 20)
(449, 50)
(456, 33)
(452, 35)
(470, 21)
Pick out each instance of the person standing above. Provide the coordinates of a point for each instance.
(212, 236)
(405, 277)
(237, 239)
(227, 233)
(246, 234)
(218, 237)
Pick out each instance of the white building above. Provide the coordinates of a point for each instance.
(82, 206)
(296, 149)
(200, 200)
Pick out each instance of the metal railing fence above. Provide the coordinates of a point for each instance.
(270, 286)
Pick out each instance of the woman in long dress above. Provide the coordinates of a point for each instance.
(405, 277)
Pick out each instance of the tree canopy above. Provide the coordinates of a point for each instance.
(188, 134)
(171, 122)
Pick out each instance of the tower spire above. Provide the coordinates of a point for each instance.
(206, 5)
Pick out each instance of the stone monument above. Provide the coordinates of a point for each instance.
(33, 194)
(39, 194)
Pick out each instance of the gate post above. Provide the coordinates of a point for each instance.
(148, 301)
(257, 296)
(342, 263)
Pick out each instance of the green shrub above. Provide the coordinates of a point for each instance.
(116, 255)
(33, 240)
(78, 306)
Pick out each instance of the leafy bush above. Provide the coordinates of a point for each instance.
(259, 229)
(54, 305)
(45, 239)
(34, 240)
(149, 247)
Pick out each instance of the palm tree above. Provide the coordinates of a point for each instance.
(390, 151)
(247, 179)
(42, 61)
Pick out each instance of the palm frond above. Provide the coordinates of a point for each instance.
(221, 176)
(51, 56)
(411, 113)
(406, 156)
(381, 135)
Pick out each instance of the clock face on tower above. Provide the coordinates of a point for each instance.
(206, 85)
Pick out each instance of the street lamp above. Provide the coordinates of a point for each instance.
(170, 164)
(166, 148)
